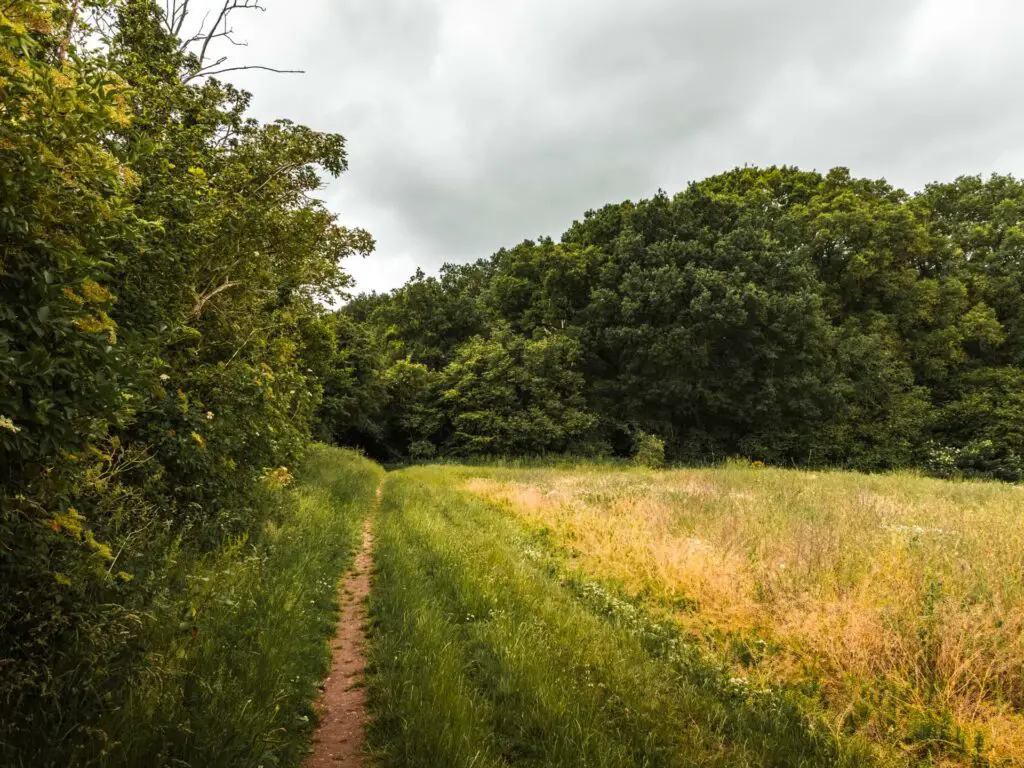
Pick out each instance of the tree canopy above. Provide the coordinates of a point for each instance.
(782, 315)
(163, 347)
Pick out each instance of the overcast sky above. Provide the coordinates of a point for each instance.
(474, 124)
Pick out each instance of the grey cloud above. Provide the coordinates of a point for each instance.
(472, 125)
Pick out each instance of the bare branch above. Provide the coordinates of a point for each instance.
(198, 308)
(229, 5)
(220, 28)
(176, 12)
(210, 73)
(69, 31)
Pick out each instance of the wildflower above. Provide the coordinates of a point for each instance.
(209, 415)
(10, 426)
(96, 293)
(70, 294)
(164, 377)
(98, 324)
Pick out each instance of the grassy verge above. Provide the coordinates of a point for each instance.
(483, 655)
(237, 658)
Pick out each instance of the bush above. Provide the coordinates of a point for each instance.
(649, 451)
(978, 458)
(153, 388)
(422, 450)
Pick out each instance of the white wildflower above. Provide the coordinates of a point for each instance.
(209, 415)
(164, 377)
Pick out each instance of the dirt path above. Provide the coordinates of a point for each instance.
(339, 741)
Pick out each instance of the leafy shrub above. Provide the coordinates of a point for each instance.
(422, 450)
(979, 458)
(510, 396)
(649, 451)
(161, 349)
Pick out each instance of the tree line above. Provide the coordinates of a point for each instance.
(775, 314)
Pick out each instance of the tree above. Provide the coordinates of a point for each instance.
(161, 343)
(512, 396)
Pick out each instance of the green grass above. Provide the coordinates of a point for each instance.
(484, 654)
(900, 597)
(236, 661)
(596, 615)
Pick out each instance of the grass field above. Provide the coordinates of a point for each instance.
(893, 604)
(485, 651)
(608, 616)
(605, 616)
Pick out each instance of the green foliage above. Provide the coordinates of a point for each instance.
(650, 451)
(66, 206)
(983, 428)
(422, 450)
(162, 351)
(514, 396)
(789, 316)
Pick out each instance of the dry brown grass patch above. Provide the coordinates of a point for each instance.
(898, 581)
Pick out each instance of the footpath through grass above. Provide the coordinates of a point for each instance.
(483, 653)
(237, 658)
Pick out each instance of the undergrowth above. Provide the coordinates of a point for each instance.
(233, 657)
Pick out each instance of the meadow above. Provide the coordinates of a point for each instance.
(596, 614)
(893, 604)
(486, 651)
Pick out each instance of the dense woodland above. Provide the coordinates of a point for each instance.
(166, 355)
(780, 315)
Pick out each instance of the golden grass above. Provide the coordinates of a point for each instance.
(902, 595)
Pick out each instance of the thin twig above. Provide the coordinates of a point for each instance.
(204, 73)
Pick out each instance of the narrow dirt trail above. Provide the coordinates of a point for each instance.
(338, 742)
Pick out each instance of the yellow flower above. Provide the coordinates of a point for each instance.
(71, 295)
(98, 324)
(95, 292)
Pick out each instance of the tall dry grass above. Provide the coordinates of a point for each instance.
(902, 596)
(483, 656)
